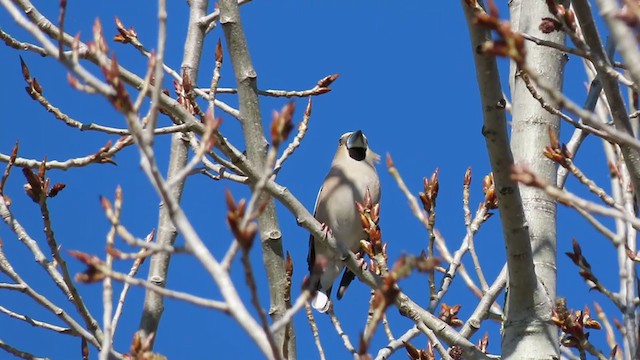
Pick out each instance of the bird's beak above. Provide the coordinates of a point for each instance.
(357, 146)
(356, 141)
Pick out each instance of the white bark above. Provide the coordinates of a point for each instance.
(527, 330)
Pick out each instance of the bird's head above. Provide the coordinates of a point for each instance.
(355, 144)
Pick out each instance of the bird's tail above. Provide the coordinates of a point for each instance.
(320, 302)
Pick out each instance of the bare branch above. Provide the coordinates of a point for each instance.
(19, 353)
(7, 269)
(314, 330)
(36, 323)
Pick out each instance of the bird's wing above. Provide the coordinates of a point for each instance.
(311, 256)
(347, 278)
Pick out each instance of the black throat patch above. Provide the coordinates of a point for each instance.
(357, 154)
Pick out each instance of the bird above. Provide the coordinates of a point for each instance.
(352, 174)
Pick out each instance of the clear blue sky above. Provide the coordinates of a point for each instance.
(407, 79)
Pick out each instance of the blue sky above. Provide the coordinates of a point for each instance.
(407, 79)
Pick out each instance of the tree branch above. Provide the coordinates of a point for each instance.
(251, 121)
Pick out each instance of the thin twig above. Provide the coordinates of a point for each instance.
(101, 157)
(314, 330)
(158, 74)
(433, 339)
(484, 306)
(394, 345)
(37, 323)
(255, 300)
(76, 299)
(387, 328)
(456, 261)
(230, 255)
(341, 333)
(297, 140)
(19, 45)
(611, 338)
(446, 255)
(564, 197)
(178, 295)
(19, 353)
(107, 287)
(7, 269)
(288, 315)
(125, 289)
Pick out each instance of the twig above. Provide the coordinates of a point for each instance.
(158, 74)
(611, 338)
(76, 299)
(470, 231)
(107, 288)
(32, 245)
(221, 168)
(16, 287)
(53, 51)
(36, 323)
(145, 244)
(387, 328)
(145, 88)
(394, 345)
(526, 177)
(480, 218)
(288, 315)
(19, 353)
(215, 78)
(209, 21)
(545, 105)
(433, 339)
(482, 309)
(178, 295)
(589, 118)
(125, 289)
(230, 255)
(315, 91)
(314, 330)
(176, 76)
(74, 123)
(19, 45)
(590, 184)
(446, 255)
(557, 46)
(341, 333)
(615, 239)
(590, 104)
(413, 202)
(102, 157)
(7, 170)
(8, 270)
(255, 300)
(211, 126)
(302, 131)
(624, 37)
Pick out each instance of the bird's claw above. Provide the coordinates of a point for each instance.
(361, 262)
(326, 230)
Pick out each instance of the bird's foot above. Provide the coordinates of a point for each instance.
(326, 230)
(361, 262)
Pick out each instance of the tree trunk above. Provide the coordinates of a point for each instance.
(527, 330)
